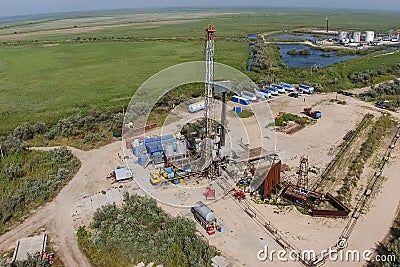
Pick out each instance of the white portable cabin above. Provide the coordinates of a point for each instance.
(306, 88)
(259, 95)
(288, 87)
(196, 107)
(121, 174)
(280, 88)
(240, 100)
(265, 93)
(273, 91)
(248, 95)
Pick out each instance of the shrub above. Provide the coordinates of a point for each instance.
(140, 231)
(23, 132)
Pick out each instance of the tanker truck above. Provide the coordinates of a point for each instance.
(204, 216)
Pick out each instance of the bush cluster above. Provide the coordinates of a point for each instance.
(283, 121)
(140, 231)
(81, 126)
(260, 58)
(30, 262)
(31, 178)
(367, 76)
(89, 130)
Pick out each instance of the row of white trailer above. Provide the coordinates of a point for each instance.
(265, 92)
(270, 91)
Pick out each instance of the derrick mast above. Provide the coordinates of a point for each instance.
(302, 181)
(209, 86)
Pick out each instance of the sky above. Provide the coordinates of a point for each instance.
(26, 7)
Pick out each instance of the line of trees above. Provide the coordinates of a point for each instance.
(260, 57)
(140, 231)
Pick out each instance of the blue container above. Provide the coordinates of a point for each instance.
(154, 143)
(149, 140)
(237, 109)
(168, 136)
(168, 170)
(142, 159)
(167, 140)
(171, 175)
(138, 150)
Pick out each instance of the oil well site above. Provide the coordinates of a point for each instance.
(204, 161)
(190, 138)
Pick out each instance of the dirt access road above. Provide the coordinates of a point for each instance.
(57, 217)
(60, 221)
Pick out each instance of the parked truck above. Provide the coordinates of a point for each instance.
(205, 217)
(313, 114)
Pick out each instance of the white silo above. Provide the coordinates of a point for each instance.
(356, 37)
(369, 36)
(342, 35)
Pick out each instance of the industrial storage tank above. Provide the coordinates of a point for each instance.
(169, 149)
(369, 36)
(181, 148)
(356, 37)
(342, 35)
(202, 210)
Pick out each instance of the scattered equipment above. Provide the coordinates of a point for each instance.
(239, 195)
(210, 193)
(313, 114)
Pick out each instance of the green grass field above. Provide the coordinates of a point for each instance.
(45, 83)
(40, 83)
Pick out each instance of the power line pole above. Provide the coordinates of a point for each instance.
(327, 24)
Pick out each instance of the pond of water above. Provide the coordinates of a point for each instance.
(317, 57)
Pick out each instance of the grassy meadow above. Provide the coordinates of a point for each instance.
(49, 73)
(45, 83)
